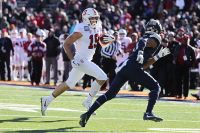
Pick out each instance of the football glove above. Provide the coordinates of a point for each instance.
(163, 52)
(108, 39)
(140, 57)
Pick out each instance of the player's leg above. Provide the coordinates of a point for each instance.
(55, 69)
(111, 93)
(146, 80)
(24, 65)
(20, 65)
(48, 62)
(92, 69)
(74, 76)
(8, 68)
(15, 65)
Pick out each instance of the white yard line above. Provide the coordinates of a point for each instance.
(176, 130)
(36, 108)
(16, 129)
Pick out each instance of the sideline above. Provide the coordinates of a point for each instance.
(121, 94)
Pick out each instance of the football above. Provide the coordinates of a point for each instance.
(106, 43)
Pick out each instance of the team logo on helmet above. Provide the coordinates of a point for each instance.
(91, 17)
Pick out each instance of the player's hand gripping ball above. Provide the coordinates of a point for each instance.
(106, 39)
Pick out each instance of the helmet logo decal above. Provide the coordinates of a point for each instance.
(95, 13)
(84, 12)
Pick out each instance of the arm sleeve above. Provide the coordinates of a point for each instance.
(141, 45)
(79, 28)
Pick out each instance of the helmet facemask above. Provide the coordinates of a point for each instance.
(93, 21)
(91, 17)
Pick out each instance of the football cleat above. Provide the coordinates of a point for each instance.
(152, 117)
(44, 105)
(196, 96)
(87, 104)
(83, 119)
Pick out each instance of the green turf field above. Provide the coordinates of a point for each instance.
(20, 112)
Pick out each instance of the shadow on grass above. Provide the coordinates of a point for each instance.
(27, 119)
(66, 129)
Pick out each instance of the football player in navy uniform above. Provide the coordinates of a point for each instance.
(134, 69)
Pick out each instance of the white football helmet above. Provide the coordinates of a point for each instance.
(40, 33)
(14, 33)
(91, 17)
(23, 31)
(122, 33)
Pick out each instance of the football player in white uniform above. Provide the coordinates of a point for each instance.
(86, 38)
(22, 56)
(124, 41)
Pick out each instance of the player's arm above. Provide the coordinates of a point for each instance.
(151, 43)
(149, 62)
(106, 39)
(163, 52)
(69, 41)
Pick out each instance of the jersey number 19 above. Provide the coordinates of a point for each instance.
(94, 40)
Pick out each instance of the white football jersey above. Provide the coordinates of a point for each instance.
(86, 45)
(124, 44)
(20, 42)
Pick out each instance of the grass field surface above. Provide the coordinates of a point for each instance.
(20, 112)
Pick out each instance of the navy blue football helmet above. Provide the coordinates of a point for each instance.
(153, 26)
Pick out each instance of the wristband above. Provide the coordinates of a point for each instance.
(156, 57)
(151, 66)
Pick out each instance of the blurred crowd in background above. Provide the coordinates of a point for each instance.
(49, 22)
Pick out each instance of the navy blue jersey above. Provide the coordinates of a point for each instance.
(141, 45)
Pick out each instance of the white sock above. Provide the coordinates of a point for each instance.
(198, 93)
(95, 87)
(14, 74)
(20, 74)
(26, 72)
(50, 98)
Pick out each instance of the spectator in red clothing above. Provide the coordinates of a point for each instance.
(37, 50)
(180, 35)
(26, 45)
(40, 20)
(126, 17)
(184, 57)
(131, 46)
